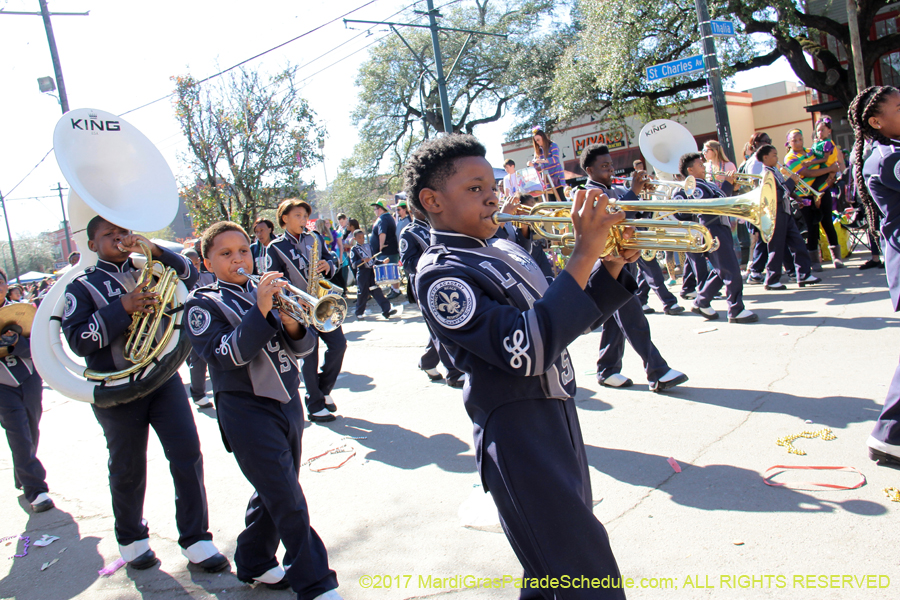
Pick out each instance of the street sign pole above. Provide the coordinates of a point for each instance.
(714, 78)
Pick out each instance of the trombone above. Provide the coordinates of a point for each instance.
(324, 314)
(553, 221)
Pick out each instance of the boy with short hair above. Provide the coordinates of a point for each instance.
(290, 254)
(361, 261)
(252, 349)
(98, 311)
(512, 181)
(507, 329)
(21, 392)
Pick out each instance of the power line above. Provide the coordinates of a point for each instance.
(243, 62)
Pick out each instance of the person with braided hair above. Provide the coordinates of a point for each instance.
(875, 117)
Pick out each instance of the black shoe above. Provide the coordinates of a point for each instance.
(42, 503)
(214, 564)
(144, 561)
(809, 280)
(675, 309)
(689, 295)
(456, 382)
(203, 403)
(755, 279)
(708, 316)
(871, 264)
(392, 294)
(433, 374)
(321, 418)
(744, 316)
(648, 310)
(386, 315)
(282, 584)
(776, 287)
(677, 378)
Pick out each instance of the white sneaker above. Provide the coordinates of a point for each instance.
(42, 503)
(329, 595)
(668, 381)
(322, 413)
(617, 380)
(745, 316)
(273, 575)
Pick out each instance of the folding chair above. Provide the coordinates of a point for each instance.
(855, 223)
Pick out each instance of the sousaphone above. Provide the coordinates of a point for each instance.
(114, 171)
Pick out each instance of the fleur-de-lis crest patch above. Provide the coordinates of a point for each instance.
(451, 301)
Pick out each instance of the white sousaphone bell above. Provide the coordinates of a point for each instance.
(114, 171)
(663, 142)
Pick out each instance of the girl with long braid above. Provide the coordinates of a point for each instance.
(875, 117)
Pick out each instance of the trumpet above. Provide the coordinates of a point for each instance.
(324, 314)
(553, 220)
(803, 188)
(652, 187)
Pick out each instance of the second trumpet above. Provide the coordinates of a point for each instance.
(324, 314)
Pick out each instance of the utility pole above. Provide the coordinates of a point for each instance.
(856, 45)
(51, 40)
(446, 109)
(62, 205)
(57, 68)
(714, 79)
(12, 250)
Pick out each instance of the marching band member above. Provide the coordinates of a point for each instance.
(383, 240)
(786, 235)
(629, 320)
(726, 267)
(360, 260)
(252, 351)
(414, 241)
(21, 393)
(289, 254)
(195, 362)
(501, 323)
(874, 117)
(264, 230)
(98, 311)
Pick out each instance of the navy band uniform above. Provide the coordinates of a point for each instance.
(492, 309)
(628, 322)
(786, 240)
(255, 379)
(290, 256)
(365, 279)
(20, 416)
(882, 176)
(195, 362)
(94, 323)
(414, 241)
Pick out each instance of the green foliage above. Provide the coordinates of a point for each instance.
(250, 137)
(167, 233)
(399, 105)
(33, 253)
(605, 68)
(354, 190)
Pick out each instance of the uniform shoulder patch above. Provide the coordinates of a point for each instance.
(404, 245)
(198, 320)
(90, 270)
(451, 301)
(71, 305)
(698, 192)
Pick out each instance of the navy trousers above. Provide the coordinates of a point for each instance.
(786, 241)
(365, 281)
(650, 275)
(727, 271)
(126, 428)
(534, 464)
(887, 429)
(435, 353)
(198, 376)
(20, 416)
(319, 384)
(265, 436)
(695, 272)
(629, 322)
(761, 254)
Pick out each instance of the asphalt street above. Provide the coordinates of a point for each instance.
(820, 357)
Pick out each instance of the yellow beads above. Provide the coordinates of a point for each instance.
(787, 441)
(892, 493)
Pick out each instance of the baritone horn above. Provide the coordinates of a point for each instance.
(553, 220)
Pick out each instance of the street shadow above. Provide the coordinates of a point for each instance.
(831, 411)
(587, 400)
(406, 449)
(354, 382)
(75, 571)
(355, 336)
(716, 487)
(154, 583)
(812, 319)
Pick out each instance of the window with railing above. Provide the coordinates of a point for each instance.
(887, 71)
